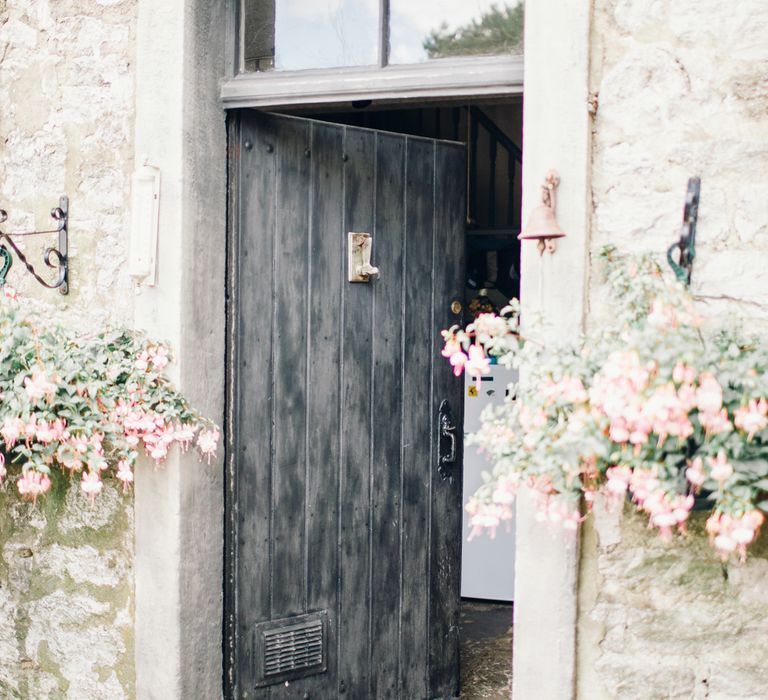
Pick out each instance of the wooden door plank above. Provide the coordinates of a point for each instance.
(357, 332)
(416, 419)
(326, 278)
(252, 374)
(289, 379)
(388, 245)
(446, 516)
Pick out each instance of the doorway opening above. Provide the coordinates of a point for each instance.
(492, 134)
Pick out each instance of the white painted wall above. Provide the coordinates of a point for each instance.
(180, 127)
(556, 134)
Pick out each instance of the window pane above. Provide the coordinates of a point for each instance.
(424, 29)
(299, 34)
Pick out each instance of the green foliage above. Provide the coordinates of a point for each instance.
(498, 31)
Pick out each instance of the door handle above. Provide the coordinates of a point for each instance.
(447, 447)
(359, 268)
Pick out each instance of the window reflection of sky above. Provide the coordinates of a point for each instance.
(332, 33)
(413, 20)
(326, 33)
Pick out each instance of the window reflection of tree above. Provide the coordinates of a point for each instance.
(499, 30)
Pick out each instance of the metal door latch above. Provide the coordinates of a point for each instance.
(359, 266)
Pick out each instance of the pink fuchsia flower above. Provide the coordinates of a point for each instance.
(618, 479)
(38, 386)
(695, 473)
(29, 430)
(458, 360)
(451, 347)
(731, 533)
(13, 428)
(141, 362)
(69, 457)
(618, 431)
(96, 462)
(559, 511)
(32, 483)
(3, 470)
(44, 432)
(668, 414)
(91, 484)
(668, 511)
(752, 417)
(486, 516)
(477, 363)
(569, 389)
(683, 374)
(505, 491)
(79, 443)
(124, 473)
(715, 423)
(720, 468)
(159, 358)
(207, 442)
(184, 434)
(709, 395)
(643, 483)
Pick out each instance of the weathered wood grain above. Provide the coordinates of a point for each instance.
(336, 503)
(417, 418)
(445, 546)
(357, 336)
(387, 404)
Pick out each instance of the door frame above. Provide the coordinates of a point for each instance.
(182, 54)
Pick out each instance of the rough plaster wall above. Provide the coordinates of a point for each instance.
(66, 127)
(683, 90)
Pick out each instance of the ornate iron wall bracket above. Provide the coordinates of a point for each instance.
(56, 258)
(687, 242)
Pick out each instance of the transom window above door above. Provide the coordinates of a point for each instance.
(300, 53)
(293, 35)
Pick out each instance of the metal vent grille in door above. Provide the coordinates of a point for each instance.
(290, 648)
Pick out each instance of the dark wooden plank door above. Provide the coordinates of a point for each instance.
(343, 537)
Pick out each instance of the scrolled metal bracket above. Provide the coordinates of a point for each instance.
(687, 241)
(56, 258)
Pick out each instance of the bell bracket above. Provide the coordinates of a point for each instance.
(686, 244)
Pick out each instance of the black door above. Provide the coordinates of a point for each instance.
(344, 511)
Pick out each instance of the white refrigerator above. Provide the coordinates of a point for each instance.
(487, 565)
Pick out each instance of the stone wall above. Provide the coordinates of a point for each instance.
(66, 127)
(66, 596)
(682, 88)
